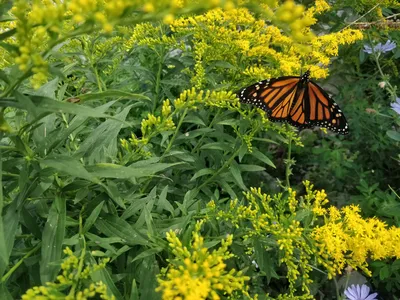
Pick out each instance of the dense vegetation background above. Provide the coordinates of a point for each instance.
(129, 169)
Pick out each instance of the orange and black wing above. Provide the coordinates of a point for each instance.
(275, 96)
(319, 109)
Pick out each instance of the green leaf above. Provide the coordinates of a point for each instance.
(147, 253)
(148, 280)
(217, 146)
(261, 156)
(201, 173)
(4, 77)
(69, 165)
(227, 187)
(92, 217)
(134, 291)
(44, 104)
(112, 190)
(134, 208)
(163, 203)
(389, 209)
(9, 47)
(111, 94)
(103, 139)
(7, 34)
(265, 261)
(113, 226)
(5, 6)
(394, 135)
(52, 240)
(195, 133)
(60, 136)
(149, 220)
(9, 229)
(181, 155)
(48, 89)
(144, 218)
(194, 119)
(4, 293)
(30, 223)
(104, 276)
(362, 56)
(104, 242)
(234, 170)
(3, 249)
(269, 141)
(230, 122)
(250, 168)
(243, 150)
(107, 170)
(384, 273)
(221, 64)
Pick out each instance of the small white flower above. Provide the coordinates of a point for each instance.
(382, 84)
(254, 263)
(359, 292)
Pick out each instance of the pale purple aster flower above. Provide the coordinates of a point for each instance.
(359, 292)
(388, 46)
(396, 105)
(367, 49)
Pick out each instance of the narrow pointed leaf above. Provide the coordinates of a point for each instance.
(52, 240)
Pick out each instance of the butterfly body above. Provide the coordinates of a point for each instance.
(296, 100)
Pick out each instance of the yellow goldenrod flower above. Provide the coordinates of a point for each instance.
(342, 237)
(69, 277)
(197, 273)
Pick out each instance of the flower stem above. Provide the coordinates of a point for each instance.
(81, 258)
(289, 162)
(158, 79)
(226, 164)
(376, 55)
(337, 289)
(15, 267)
(199, 143)
(175, 133)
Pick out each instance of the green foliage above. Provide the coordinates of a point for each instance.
(117, 130)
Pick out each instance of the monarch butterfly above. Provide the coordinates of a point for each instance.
(296, 100)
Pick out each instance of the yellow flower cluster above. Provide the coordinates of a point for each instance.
(188, 99)
(266, 50)
(150, 127)
(315, 200)
(331, 238)
(149, 35)
(196, 273)
(292, 18)
(42, 24)
(71, 277)
(348, 239)
(266, 215)
(191, 98)
(271, 216)
(4, 126)
(152, 121)
(31, 37)
(296, 254)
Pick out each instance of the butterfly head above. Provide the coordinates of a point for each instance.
(306, 76)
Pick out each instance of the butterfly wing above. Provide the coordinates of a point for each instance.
(298, 111)
(275, 96)
(296, 100)
(319, 109)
